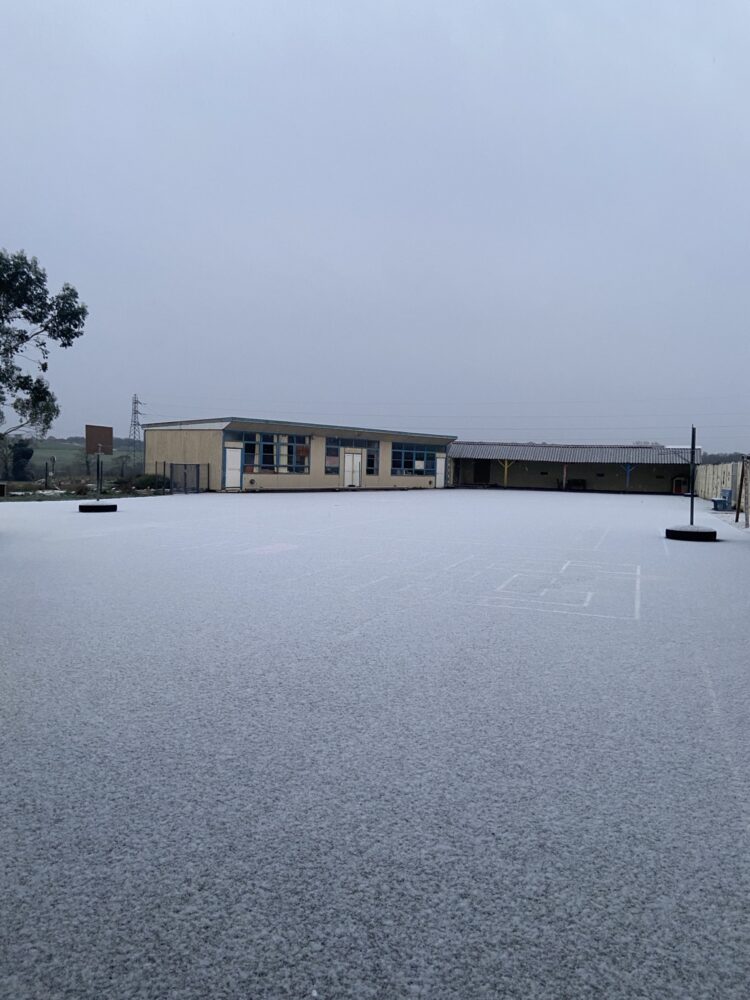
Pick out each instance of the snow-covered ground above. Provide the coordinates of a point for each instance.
(429, 745)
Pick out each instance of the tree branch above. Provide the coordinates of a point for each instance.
(12, 430)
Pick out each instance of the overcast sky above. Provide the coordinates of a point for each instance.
(503, 220)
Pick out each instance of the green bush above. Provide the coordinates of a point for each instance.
(151, 482)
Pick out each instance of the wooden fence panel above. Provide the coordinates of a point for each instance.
(710, 480)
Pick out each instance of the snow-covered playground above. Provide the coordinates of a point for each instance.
(446, 745)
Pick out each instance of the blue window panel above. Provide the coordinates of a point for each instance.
(414, 459)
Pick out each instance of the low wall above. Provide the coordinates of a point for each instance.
(710, 480)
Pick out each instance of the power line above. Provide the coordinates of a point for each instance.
(471, 416)
(358, 403)
(523, 428)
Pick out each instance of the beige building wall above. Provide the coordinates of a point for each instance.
(207, 447)
(312, 480)
(194, 447)
(318, 479)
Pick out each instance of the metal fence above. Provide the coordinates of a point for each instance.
(182, 477)
(189, 478)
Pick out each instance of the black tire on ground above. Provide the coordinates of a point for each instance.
(691, 533)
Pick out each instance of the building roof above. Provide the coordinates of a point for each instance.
(339, 430)
(574, 454)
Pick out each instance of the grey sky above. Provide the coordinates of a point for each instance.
(500, 220)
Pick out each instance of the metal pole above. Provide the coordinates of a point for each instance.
(46, 475)
(692, 475)
(738, 504)
(746, 466)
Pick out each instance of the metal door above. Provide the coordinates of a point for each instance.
(232, 468)
(440, 471)
(352, 469)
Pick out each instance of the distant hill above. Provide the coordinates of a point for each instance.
(71, 460)
(118, 442)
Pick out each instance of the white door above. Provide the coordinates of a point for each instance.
(352, 469)
(233, 468)
(440, 472)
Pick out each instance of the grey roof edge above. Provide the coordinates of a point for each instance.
(572, 453)
(296, 423)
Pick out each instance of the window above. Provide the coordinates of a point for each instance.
(414, 459)
(268, 453)
(333, 460)
(276, 453)
(332, 456)
(297, 453)
(250, 455)
(373, 458)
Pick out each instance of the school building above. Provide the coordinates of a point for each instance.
(248, 455)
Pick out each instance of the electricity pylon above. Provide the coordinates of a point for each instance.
(135, 430)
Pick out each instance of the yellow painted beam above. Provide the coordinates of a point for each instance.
(506, 465)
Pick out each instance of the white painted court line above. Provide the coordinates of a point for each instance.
(371, 583)
(554, 611)
(638, 594)
(603, 567)
(459, 563)
(434, 576)
(607, 572)
(360, 629)
(599, 543)
(508, 598)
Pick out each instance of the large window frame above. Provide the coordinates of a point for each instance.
(266, 453)
(333, 454)
(411, 459)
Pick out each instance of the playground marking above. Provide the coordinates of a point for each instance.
(593, 589)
